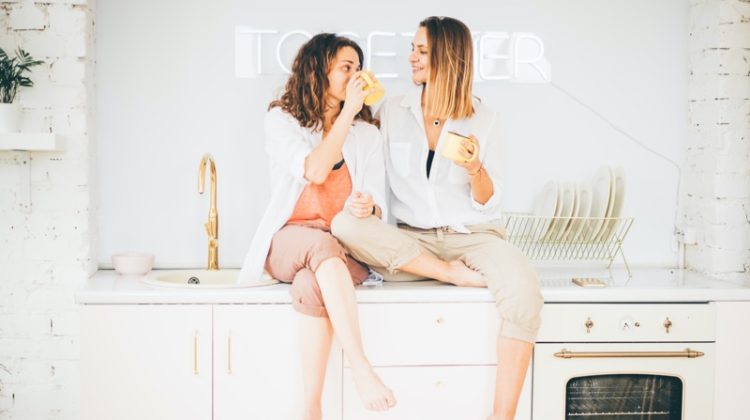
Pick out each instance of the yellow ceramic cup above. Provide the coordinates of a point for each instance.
(453, 146)
(379, 89)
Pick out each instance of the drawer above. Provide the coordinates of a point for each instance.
(435, 393)
(615, 322)
(414, 334)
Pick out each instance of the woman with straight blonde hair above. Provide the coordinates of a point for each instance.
(441, 152)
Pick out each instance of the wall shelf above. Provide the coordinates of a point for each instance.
(23, 144)
(31, 142)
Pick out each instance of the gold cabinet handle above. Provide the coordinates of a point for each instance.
(589, 324)
(667, 324)
(567, 354)
(229, 352)
(195, 353)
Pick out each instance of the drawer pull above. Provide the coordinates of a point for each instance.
(229, 352)
(440, 321)
(589, 324)
(439, 384)
(667, 324)
(567, 354)
(195, 353)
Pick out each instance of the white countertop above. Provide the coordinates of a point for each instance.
(646, 285)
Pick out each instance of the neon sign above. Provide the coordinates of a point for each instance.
(517, 57)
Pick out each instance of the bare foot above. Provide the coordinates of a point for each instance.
(374, 394)
(311, 413)
(461, 275)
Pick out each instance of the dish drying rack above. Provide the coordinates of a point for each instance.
(550, 238)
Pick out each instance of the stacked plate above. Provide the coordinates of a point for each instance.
(584, 211)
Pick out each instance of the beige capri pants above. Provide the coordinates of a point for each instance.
(510, 277)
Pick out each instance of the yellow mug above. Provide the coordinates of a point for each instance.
(453, 145)
(379, 89)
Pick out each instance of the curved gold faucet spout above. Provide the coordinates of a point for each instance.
(212, 226)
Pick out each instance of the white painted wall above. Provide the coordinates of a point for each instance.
(167, 93)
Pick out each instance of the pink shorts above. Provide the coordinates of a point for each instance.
(295, 254)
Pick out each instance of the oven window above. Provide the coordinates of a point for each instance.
(624, 397)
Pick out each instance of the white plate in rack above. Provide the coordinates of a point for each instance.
(610, 205)
(619, 200)
(563, 217)
(545, 206)
(600, 186)
(583, 209)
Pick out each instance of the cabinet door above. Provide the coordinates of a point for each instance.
(435, 393)
(257, 365)
(146, 362)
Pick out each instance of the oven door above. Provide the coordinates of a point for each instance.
(623, 381)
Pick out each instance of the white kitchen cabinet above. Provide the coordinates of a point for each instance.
(732, 386)
(146, 362)
(257, 365)
(438, 358)
(241, 361)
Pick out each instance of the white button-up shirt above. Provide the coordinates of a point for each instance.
(288, 145)
(443, 199)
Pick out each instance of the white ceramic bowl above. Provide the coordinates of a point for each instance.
(133, 262)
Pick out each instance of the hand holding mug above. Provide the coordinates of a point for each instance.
(464, 151)
(374, 84)
(356, 92)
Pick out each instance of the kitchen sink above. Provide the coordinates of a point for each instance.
(199, 279)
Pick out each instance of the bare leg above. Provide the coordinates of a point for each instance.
(338, 294)
(315, 335)
(454, 272)
(512, 363)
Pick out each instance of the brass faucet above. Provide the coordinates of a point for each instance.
(212, 227)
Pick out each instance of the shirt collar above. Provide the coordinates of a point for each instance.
(413, 100)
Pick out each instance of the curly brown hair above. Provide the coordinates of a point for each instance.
(305, 92)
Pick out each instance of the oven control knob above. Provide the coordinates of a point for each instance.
(628, 323)
(667, 324)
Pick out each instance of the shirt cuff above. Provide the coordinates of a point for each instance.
(491, 203)
(297, 164)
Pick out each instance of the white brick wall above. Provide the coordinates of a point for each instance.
(44, 255)
(716, 191)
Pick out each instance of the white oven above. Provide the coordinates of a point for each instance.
(625, 362)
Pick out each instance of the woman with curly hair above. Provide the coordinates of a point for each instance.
(325, 154)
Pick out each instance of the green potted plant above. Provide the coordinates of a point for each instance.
(12, 76)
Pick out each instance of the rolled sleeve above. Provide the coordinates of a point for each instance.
(491, 162)
(285, 142)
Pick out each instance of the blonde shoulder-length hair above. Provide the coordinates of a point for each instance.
(451, 67)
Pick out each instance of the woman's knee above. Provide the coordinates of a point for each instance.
(344, 225)
(325, 248)
(306, 295)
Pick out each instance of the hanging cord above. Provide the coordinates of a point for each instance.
(677, 230)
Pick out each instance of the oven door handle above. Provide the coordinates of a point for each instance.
(567, 354)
